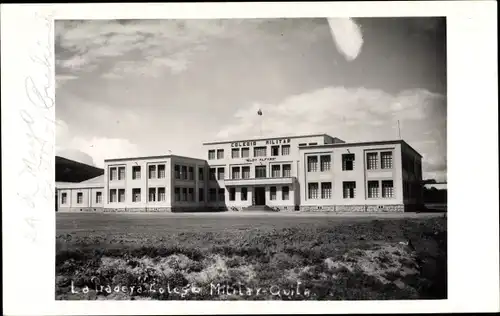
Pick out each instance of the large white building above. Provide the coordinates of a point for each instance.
(307, 173)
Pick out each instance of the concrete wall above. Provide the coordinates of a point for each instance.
(227, 162)
(406, 169)
(196, 183)
(143, 183)
(360, 175)
(89, 202)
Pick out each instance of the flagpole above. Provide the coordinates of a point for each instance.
(260, 125)
(399, 130)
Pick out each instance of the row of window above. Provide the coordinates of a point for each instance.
(285, 193)
(261, 151)
(79, 197)
(243, 172)
(372, 160)
(155, 195)
(187, 173)
(156, 171)
(348, 162)
(349, 189)
(187, 194)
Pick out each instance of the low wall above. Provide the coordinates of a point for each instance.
(399, 208)
(79, 209)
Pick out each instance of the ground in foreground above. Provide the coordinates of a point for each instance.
(251, 257)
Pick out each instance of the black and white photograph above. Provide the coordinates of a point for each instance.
(251, 159)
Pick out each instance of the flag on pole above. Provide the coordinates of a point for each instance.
(259, 112)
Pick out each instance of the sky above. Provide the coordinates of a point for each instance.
(155, 87)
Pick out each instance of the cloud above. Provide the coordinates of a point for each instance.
(347, 36)
(76, 155)
(352, 114)
(91, 150)
(101, 148)
(150, 44)
(62, 79)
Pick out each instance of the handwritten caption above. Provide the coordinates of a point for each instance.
(35, 177)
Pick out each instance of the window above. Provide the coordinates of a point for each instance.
(236, 173)
(272, 193)
(275, 150)
(260, 151)
(184, 192)
(326, 190)
(220, 153)
(285, 193)
(386, 160)
(64, 198)
(260, 171)
(79, 198)
(245, 152)
(161, 194)
(235, 153)
(313, 190)
(152, 172)
(201, 195)
(312, 144)
(112, 195)
(326, 162)
(220, 173)
(212, 173)
(275, 171)
(212, 195)
(349, 188)
(112, 174)
(312, 164)
(136, 172)
(121, 195)
(246, 172)
(201, 172)
(121, 173)
(244, 194)
(372, 189)
(222, 194)
(211, 154)
(302, 144)
(387, 189)
(184, 173)
(287, 170)
(98, 197)
(177, 171)
(136, 195)
(372, 161)
(232, 194)
(152, 194)
(285, 150)
(191, 194)
(191, 173)
(177, 192)
(161, 171)
(347, 162)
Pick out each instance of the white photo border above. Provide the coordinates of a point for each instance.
(28, 152)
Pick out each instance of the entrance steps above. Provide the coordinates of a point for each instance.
(258, 208)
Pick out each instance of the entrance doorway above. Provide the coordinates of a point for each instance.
(260, 195)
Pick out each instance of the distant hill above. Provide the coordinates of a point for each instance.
(72, 171)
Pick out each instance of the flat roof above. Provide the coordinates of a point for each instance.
(265, 138)
(380, 142)
(153, 157)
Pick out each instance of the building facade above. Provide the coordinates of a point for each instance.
(297, 173)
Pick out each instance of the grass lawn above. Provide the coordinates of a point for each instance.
(226, 256)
